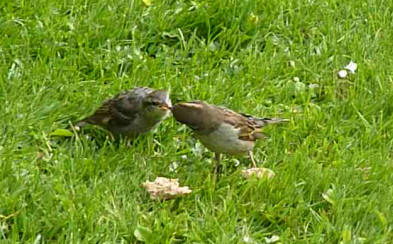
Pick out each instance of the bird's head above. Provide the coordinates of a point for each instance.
(157, 103)
(189, 113)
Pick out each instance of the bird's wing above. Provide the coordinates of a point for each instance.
(250, 127)
(119, 110)
(108, 113)
(248, 131)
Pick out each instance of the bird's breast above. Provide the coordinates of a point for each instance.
(225, 139)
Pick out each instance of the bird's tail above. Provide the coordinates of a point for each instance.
(265, 121)
(274, 120)
(261, 122)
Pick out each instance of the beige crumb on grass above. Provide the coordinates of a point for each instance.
(163, 188)
(258, 173)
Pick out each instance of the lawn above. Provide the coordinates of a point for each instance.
(333, 162)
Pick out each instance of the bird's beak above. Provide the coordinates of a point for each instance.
(164, 107)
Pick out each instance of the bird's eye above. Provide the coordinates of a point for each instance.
(155, 103)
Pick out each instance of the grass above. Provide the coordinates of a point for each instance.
(60, 59)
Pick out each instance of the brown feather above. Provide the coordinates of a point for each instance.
(203, 118)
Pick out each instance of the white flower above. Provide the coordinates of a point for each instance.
(173, 166)
(351, 67)
(184, 157)
(342, 73)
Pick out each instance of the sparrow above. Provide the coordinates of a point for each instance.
(222, 130)
(132, 112)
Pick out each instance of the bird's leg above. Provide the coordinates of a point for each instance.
(251, 154)
(216, 162)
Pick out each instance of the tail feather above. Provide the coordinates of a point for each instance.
(274, 120)
(261, 122)
(265, 121)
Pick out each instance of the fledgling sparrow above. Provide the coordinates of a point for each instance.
(132, 112)
(222, 130)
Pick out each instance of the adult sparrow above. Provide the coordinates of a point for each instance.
(131, 112)
(222, 130)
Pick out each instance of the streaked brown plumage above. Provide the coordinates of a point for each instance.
(220, 129)
(131, 112)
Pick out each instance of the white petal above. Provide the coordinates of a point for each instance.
(173, 166)
(342, 73)
(351, 67)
